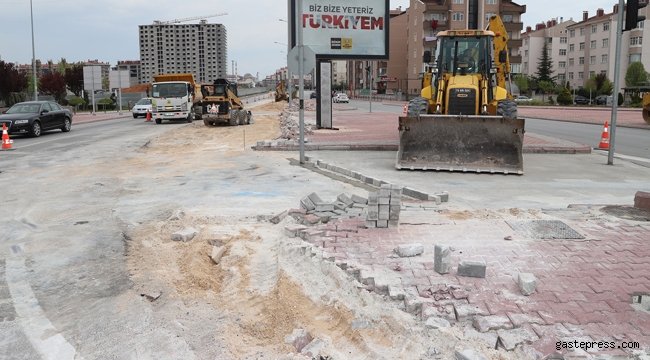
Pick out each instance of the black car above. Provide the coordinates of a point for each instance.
(580, 100)
(601, 100)
(34, 117)
(312, 95)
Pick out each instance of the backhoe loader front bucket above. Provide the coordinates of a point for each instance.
(490, 144)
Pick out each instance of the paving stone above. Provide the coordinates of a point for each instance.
(315, 198)
(408, 250)
(306, 203)
(509, 339)
(493, 322)
(345, 199)
(396, 292)
(217, 253)
(373, 198)
(361, 324)
(323, 206)
(472, 268)
(642, 200)
(383, 215)
(359, 199)
(311, 234)
(441, 259)
(383, 200)
(468, 311)
(338, 205)
(292, 230)
(435, 322)
(324, 216)
(371, 224)
(469, 354)
(382, 223)
(527, 283)
(393, 223)
(520, 319)
(490, 338)
(298, 338)
(310, 219)
(279, 217)
(444, 196)
(184, 235)
(313, 348)
(296, 213)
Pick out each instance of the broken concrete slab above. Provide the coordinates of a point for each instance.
(298, 338)
(184, 235)
(469, 354)
(527, 283)
(493, 322)
(441, 259)
(313, 348)
(509, 339)
(217, 253)
(409, 250)
(435, 322)
(472, 268)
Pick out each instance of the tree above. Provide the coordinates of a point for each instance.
(62, 66)
(564, 97)
(54, 84)
(74, 77)
(590, 86)
(635, 74)
(521, 81)
(545, 66)
(546, 87)
(606, 88)
(12, 82)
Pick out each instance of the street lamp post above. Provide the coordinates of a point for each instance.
(31, 10)
(289, 79)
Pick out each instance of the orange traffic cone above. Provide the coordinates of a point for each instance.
(6, 143)
(604, 140)
(148, 116)
(405, 106)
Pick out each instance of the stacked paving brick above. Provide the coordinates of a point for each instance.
(345, 207)
(384, 207)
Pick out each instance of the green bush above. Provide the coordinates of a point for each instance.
(564, 97)
(621, 100)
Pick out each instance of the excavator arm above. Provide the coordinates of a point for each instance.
(501, 56)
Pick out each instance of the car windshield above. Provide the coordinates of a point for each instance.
(144, 102)
(24, 109)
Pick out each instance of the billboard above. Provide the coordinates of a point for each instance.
(92, 77)
(337, 29)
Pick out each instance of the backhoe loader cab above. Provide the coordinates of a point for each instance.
(465, 119)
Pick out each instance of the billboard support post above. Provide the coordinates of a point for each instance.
(301, 98)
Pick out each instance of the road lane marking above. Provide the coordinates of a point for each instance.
(32, 318)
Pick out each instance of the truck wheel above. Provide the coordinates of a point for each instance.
(234, 118)
(507, 108)
(417, 106)
(190, 116)
(158, 121)
(206, 123)
(243, 117)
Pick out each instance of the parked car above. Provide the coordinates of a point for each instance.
(601, 100)
(141, 107)
(34, 117)
(522, 98)
(312, 95)
(580, 100)
(341, 98)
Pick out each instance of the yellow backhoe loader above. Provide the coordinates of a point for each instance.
(281, 92)
(646, 108)
(466, 118)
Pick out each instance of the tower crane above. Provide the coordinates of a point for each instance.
(176, 21)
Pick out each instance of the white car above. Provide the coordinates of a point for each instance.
(141, 107)
(341, 98)
(522, 98)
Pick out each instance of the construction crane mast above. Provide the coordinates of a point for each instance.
(176, 21)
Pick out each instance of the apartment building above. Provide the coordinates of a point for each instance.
(556, 36)
(425, 18)
(339, 72)
(592, 47)
(199, 49)
(133, 68)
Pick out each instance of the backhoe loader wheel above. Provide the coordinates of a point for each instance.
(417, 106)
(646, 116)
(250, 118)
(206, 122)
(242, 117)
(507, 108)
(234, 118)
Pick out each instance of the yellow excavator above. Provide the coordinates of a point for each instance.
(646, 108)
(281, 92)
(466, 118)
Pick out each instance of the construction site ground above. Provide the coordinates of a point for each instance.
(100, 260)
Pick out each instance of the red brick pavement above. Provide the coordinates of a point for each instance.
(584, 288)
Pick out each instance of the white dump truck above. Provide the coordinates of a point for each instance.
(173, 97)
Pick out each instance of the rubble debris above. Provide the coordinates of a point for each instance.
(492, 322)
(279, 217)
(509, 339)
(527, 283)
(441, 259)
(409, 250)
(435, 322)
(217, 253)
(313, 348)
(177, 215)
(361, 324)
(469, 354)
(298, 338)
(489, 337)
(184, 235)
(153, 296)
(471, 268)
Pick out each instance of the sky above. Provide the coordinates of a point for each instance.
(81, 30)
